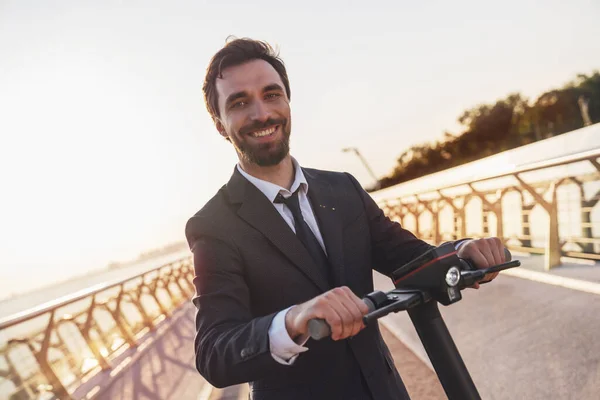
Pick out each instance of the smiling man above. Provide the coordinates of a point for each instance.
(280, 244)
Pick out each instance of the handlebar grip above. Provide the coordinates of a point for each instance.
(319, 328)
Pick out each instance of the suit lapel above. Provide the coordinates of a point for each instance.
(323, 202)
(256, 210)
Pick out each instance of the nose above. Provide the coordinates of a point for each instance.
(260, 111)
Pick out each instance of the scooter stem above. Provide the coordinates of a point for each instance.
(442, 351)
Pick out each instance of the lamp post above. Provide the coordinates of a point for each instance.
(362, 159)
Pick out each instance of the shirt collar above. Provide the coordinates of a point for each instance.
(271, 190)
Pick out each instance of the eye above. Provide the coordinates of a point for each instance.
(239, 104)
(272, 95)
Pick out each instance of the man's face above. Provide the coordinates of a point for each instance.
(255, 112)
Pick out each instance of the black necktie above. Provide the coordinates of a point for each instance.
(303, 231)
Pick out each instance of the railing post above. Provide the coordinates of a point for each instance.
(120, 320)
(85, 332)
(499, 217)
(71, 361)
(137, 302)
(189, 278)
(414, 210)
(484, 220)
(553, 248)
(460, 226)
(188, 287)
(41, 357)
(57, 387)
(487, 207)
(153, 292)
(437, 238)
(456, 221)
(435, 219)
(184, 292)
(526, 229)
(553, 252)
(587, 206)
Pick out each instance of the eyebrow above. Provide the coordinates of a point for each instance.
(272, 86)
(237, 95)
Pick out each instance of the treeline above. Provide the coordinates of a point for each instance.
(506, 124)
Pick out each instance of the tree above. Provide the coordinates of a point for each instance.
(506, 124)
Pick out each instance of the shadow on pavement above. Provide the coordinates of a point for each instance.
(166, 369)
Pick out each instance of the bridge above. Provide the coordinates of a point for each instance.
(530, 334)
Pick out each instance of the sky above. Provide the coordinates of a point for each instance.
(106, 148)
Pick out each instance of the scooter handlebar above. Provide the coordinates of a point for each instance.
(319, 329)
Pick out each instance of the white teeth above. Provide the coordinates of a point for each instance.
(266, 132)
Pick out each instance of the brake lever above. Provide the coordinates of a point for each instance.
(397, 300)
(469, 278)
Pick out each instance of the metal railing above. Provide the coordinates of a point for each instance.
(547, 207)
(49, 351)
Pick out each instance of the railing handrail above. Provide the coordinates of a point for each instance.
(535, 166)
(48, 306)
(554, 162)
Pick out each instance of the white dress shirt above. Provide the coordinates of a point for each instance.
(283, 349)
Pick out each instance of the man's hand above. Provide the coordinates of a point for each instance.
(342, 310)
(484, 253)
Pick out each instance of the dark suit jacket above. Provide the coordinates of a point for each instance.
(250, 265)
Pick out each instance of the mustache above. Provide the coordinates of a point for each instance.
(257, 126)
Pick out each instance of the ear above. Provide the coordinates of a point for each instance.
(221, 129)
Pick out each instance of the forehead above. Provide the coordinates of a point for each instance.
(249, 77)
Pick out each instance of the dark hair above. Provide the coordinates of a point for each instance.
(237, 52)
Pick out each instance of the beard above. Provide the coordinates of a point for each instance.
(263, 154)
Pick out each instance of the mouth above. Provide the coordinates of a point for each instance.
(265, 133)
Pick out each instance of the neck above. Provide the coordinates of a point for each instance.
(281, 174)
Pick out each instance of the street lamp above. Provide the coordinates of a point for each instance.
(355, 151)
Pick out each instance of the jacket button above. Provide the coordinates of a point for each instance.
(247, 352)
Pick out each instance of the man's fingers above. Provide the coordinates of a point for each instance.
(357, 308)
(478, 258)
(360, 304)
(343, 316)
(362, 307)
(354, 325)
(486, 250)
(352, 304)
(497, 249)
(342, 310)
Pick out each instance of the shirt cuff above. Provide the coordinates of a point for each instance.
(460, 243)
(283, 349)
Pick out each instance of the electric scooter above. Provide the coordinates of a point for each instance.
(437, 276)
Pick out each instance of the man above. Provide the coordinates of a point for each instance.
(280, 244)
